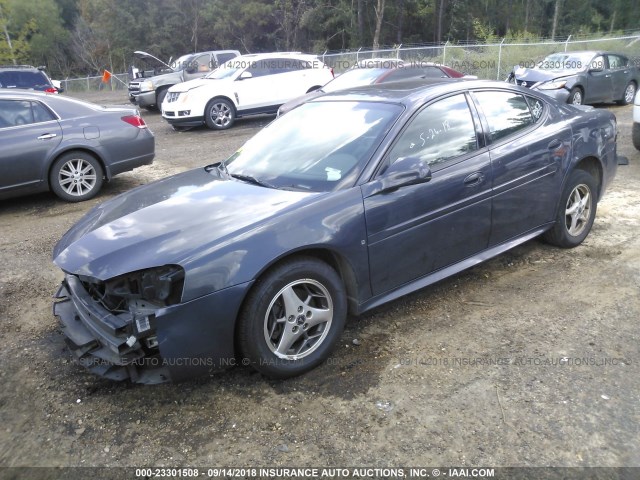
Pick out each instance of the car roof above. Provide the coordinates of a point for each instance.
(20, 67)
(414, 91)
(20, 93)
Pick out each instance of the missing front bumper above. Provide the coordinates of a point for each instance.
(98, 339)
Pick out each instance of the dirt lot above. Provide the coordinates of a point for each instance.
(530, 359)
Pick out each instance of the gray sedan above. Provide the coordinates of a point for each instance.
(581, 77)
(50, 142)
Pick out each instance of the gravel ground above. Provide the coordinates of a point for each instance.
(530, 359)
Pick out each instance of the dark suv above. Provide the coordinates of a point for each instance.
(26, 77)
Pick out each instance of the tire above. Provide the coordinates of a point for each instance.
(219, 114)
(576, 212)
(628, 95)
(76, 176)
(635, 133)
(575, 96)
(274, 312)
(160, 98)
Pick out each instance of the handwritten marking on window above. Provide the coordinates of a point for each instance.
(432, 133)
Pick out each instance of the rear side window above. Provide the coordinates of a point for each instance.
(617, 61)
(537, 108)
(506, 112)
(41, 113)
(442, 131)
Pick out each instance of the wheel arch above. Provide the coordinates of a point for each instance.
(593, 166)
(579, 86)
(223, 97)
(332, 258)
(105, 171)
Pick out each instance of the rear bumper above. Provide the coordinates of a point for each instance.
(191, 338)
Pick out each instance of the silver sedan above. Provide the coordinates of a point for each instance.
(51, 142)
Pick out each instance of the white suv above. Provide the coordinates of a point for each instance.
(245, 85)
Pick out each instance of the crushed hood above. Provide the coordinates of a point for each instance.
(534, 75)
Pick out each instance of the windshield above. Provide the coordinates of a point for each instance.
(566, 61)
(354, 78)
(229, 69)
(319, 146)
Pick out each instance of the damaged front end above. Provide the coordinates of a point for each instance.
(111, 326)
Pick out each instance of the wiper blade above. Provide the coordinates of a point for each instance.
(251, 179)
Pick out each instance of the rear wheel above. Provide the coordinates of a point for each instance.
(629, 94)
(219, 114)
(576, 213)
(293, 318)
(575, 96)
(76, 176)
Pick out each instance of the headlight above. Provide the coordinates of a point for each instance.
(146, 86)
(556, 84)
(161, 286)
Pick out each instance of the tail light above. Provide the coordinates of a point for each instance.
(135, 120)
(51, 90)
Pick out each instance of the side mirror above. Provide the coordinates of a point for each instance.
(403, 172)
(191, 67)
(245, 75)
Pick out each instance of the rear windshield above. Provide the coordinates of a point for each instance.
(24, 79)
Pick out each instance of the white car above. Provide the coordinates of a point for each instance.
(245, 85)
(636, 121)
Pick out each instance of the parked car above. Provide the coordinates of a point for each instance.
(349, 201)
(636, 122)
(150, 84)
(246, 85)
(51, 142)
(375, 71)
(582, 77)
(26, 77)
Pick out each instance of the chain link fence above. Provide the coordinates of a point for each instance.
(94, 83)
(491, 61)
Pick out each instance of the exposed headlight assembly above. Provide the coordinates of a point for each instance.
(161, 285)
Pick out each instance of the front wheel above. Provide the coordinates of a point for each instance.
(629, 94)
(76, 176)
(575, 96)
(293, 318)
(576, 213)
(219, 114)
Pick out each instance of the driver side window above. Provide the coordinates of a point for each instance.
(442, 131)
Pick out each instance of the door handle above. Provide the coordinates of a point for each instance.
(47, 136)
(555, 144)
(474, 179)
